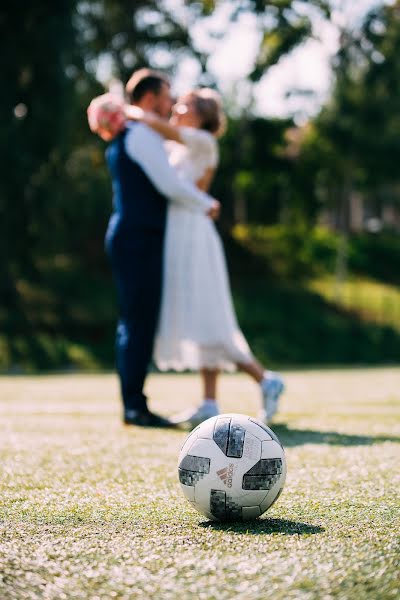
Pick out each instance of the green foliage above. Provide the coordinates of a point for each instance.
(354, 141)
(292, 253)
(299, 252)
(130, 34)
(254, 167)
(371, 300)
(286, 26)
(377, 256)
(289, 325)
(288, 313)
(36, 47)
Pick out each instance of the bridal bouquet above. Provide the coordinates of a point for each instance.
(106, 116)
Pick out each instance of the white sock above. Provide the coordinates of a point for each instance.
(210, 405)
(209, 402)
(267, 376)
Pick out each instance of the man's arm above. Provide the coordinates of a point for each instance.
(145, 146)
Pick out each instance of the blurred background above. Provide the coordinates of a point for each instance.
(309, 177)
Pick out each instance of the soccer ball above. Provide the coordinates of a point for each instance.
(232, 468)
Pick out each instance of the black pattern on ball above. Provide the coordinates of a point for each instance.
(221, 433)
(223, 508)
(263, 475)
(192, 469)
(217, 504)
(233, 511)
(229, 437)
(236, 440)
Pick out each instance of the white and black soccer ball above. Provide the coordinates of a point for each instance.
(232, 467)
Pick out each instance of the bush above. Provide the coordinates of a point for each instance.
(377, 256)
(293, 253)
(296, 253)
(288, 325)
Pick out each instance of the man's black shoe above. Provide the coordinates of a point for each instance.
(146, 419)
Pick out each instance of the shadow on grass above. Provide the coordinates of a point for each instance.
(265, 527)
(297, 437)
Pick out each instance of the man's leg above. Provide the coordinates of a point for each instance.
(138, 273)
(134, 343)
(132, 361)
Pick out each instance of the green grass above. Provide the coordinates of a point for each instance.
(372, 300)
(92, 510)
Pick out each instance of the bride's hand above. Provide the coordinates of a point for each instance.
(134, 113)
(214, 210)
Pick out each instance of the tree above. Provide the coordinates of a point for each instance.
(36, 45)
(355, 138)
(262, 170)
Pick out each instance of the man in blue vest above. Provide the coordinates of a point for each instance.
(143, 182)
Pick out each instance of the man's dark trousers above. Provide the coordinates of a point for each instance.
(134, 244)
(136, 261)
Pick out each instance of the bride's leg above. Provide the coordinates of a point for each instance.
(208, 408)
(254, 369)
(209, 377)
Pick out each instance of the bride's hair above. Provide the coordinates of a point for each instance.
(208, 106)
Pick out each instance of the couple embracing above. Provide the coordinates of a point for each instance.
(166, 255)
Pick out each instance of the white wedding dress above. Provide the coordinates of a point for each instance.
(197, 325)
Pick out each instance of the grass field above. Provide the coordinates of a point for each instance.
(92, 510)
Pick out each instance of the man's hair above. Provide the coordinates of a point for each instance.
(143, 81)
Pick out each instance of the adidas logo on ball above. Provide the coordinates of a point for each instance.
(226, 475)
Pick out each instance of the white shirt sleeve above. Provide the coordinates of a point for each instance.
(202, 144)
(146, 147)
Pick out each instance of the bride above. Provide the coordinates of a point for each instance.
(197, 328)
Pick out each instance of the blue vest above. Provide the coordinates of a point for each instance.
(137, 203)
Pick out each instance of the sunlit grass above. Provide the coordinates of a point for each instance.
(91, 509)
(372, 300)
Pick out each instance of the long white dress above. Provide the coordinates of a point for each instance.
(197, 325)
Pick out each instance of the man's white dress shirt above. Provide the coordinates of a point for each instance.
(146, 147)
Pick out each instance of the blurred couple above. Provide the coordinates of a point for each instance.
(166, 256)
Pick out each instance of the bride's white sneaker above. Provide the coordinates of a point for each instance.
(272, 387)
(194, 417)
